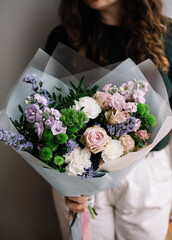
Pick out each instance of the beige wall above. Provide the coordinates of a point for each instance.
(26, 209)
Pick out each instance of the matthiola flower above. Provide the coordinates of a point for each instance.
(107, 87)
(33, 113)
(117, 101)
(41, 99)
(138, 96)
(30, 78)
(49, 122)
(56, 113)
(77, 160)
(89, 105)
(131, 107)
(145, 86)
(113, 150)
(126, 88)
(58, 128)
(39, 128)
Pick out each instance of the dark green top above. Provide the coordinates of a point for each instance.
(115, 52)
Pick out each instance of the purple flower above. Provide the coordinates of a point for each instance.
(30, 78)
(117, 101)
(39, 128)
(58, 128)
(56, 113)
(49, 122)
(71, 144)
(41, 99)
(33, 113)
(47, 110)
(18, 142)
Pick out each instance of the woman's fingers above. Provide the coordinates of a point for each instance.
(76, 204)
(78, 199)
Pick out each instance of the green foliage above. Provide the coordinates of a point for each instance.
(45, 154)
(52, 145)
(72, 130)
(140, 108)
(58, 160)
(61, 138)
(150, 118)
(47, 136)
(147, 109)
(75, 93)
(71, 118)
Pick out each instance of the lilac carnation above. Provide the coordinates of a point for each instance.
(58, 128)
(33, 113)
(117, 101)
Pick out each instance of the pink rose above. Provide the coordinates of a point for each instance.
(118, 117)
(127, 142)
(143, 135)
(102, 99)
(96, 139)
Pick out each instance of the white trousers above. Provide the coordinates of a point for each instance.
(138, 209)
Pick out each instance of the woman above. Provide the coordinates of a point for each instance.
(108, 31)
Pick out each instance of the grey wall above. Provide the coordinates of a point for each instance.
(26, 208)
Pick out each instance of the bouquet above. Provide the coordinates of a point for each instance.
(83, 127)
(78, 132)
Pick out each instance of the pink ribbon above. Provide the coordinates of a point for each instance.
(86, 225)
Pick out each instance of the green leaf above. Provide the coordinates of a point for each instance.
(20, 108)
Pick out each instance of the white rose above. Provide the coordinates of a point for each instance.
(89, 105)
(113, 150)
(77, 160)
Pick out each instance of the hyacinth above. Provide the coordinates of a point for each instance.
(18, 142)
(71, 144)
(89, 173)
(122, 128)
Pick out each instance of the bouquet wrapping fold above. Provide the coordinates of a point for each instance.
(66, 65)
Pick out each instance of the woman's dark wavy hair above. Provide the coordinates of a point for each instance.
(142, 21)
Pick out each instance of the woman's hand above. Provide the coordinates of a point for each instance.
(76, 204)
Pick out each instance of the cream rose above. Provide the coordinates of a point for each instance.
(116, 118)
(96, 139)
(102, 99)
(113, 150)
(127, 142)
